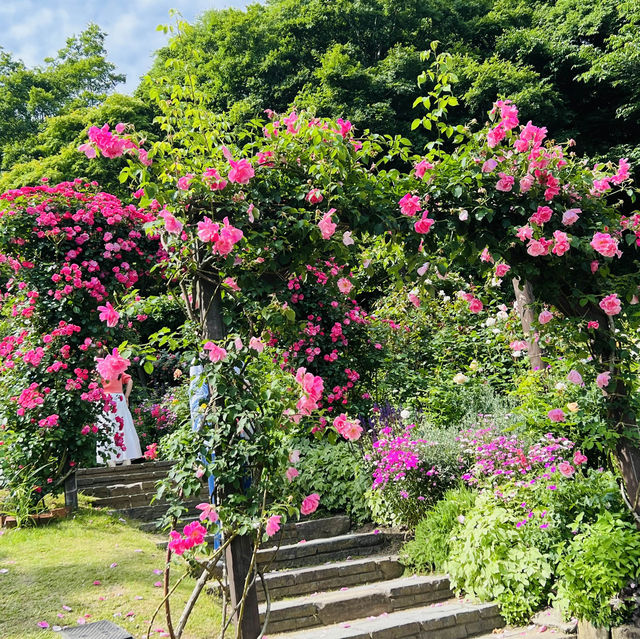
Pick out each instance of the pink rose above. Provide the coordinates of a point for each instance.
(216, 353)
(556, 415)
(171, 223)
(294, 456)
(326, 226)
(256, 344)
(570, 216)
(414, 299)
(502, 270)
(579, 458)
(539, 247)
(505, 183)
(566, 469)
(524, 233)
(350, 430)
(422, 167)
(310, 504)
(344, 285)
(409, 204)
(475, 305)
(526, 183)
(314, 196)
(109, 315)
(611, 304)
(575, 378)
(593, 325)
(604, 244)
(291, 473)
(273, 525)
(542, 215)
(423, 225)
(561, 245)
(594, 266)
(489, 165)
(545, 317)
(603, 379)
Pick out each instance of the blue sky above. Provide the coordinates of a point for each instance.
(35, 29)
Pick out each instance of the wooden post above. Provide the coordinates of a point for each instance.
(71, 492)
(239, 552)
(238, 558)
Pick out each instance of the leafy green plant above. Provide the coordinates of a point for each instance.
(338, 473)
(595, 568)
(429, 550)
(493, 560)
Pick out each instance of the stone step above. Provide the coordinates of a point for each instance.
(130, 488)
(325, 609)
(352, 572)
(450, 620)
(123, 502)
(302, 531)
(319, 551)
(530, 632)
(152, 512)
(122, 469)
(87, 484)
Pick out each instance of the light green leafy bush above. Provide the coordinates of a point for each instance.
(596, 566)
(429, 550)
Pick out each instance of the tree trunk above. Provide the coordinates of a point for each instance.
(239, 552)
(525, 300)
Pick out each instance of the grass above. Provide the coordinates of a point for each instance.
(56, 565)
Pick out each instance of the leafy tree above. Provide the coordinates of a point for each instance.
(79, 76)
(555, 59)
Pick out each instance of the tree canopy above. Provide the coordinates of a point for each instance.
(79, 76)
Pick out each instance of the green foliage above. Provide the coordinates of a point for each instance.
(336, 471)
(79, 76)
(596, 566)
(491, 560)
(52, 151)
(430, 548)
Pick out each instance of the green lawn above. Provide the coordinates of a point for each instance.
(55, 566)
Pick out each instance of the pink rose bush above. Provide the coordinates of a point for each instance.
(73, 249)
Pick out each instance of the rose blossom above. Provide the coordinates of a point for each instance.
(603, 379)
(310, 504)
(604, 244)
(556, 415)
(566, 469)
(545, 317)
(611, 304)
(273, 525)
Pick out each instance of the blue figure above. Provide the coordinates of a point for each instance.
(198, 395)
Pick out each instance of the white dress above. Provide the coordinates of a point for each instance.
(109, 452)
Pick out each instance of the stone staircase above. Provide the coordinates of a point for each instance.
(128, 491)
(325, 582)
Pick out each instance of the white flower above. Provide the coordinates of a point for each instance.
(474, 365)
(490, 321)
(496, 331)
(561, 386)
(463, 216)
(446, 298)
(405, 414)
(502, 315)
(460, 378)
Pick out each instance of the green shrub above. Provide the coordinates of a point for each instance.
(595, 567)
(337, 473)
(493, 559)
(430, 548)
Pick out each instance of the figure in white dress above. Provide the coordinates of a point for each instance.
(124, 444)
